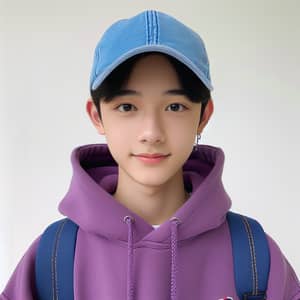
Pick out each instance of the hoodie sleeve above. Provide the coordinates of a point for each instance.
(21, 285)
(283, 281)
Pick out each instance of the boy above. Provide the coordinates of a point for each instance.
(150, 206)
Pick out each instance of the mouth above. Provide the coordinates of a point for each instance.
(155, 155)
(151, 158)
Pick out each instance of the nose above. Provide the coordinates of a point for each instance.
(151, 130)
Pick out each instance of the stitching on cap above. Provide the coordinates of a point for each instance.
(154, 26)
(147, 27)
(158, 28)
(151, 27)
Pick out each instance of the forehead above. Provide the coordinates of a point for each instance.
(152, 60)
(153, 68)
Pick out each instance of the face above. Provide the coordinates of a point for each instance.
(151, 115)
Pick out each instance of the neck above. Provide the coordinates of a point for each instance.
(155, 204)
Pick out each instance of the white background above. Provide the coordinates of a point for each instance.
(46, 55)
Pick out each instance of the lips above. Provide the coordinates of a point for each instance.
(154, 155)
(151, 158)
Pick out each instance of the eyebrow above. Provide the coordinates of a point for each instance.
(172, 92)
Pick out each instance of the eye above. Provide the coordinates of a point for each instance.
(126, 107)
(175, 106)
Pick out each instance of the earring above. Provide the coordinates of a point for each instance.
(198, 141)
(198, 138)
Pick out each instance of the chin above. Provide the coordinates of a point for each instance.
(152, 179)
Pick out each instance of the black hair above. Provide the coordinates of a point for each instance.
(197, 92)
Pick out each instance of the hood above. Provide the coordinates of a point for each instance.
(90, 204)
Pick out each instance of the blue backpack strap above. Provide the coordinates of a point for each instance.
(251, 257)
(55, 260)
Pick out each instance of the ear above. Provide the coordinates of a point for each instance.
(93, 114)
(209, 109)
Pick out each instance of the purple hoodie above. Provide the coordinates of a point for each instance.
(117, 259)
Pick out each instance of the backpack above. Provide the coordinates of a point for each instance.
(56, 250)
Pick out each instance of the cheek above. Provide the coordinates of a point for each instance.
(116, 143)
(116, 137)
(184, 129)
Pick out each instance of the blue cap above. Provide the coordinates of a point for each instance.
(147, 31)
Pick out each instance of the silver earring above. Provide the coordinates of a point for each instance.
(198, 141)
(198, 138)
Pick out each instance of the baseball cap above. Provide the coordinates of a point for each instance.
(147, 31)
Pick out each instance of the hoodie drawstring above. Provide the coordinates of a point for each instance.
(174, 223)
(130, 289)
(129, 220)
